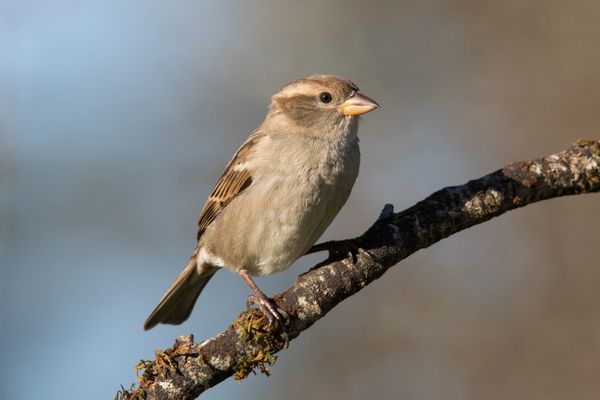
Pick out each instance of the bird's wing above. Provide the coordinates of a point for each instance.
(235, 180)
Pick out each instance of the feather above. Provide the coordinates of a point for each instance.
(235, 179)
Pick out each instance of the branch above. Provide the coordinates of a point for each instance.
(186, 370)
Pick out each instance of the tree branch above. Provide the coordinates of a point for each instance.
(186, 370)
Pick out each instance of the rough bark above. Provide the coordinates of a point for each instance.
(187, 369)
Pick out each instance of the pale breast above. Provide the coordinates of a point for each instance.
(278, 218)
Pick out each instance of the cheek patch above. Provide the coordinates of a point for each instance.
(303, 110)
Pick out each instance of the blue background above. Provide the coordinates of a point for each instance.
(117, 117)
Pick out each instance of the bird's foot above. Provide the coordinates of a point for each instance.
(346, 247)
(275, 316)
(269, 309)
(266, 305)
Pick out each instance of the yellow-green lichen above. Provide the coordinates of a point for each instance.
(593, 144)
(582, 142)
(132, 394)
(146, 370)
(143, 365)
(163, 363)
(253, 328)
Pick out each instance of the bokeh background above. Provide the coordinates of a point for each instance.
(116, 118)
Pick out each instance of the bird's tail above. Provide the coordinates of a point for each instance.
(177, 304)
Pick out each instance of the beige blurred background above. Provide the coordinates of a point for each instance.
(118, 117)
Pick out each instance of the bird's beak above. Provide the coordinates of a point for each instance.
(358, 104)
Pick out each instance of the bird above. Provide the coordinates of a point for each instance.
(282, 189)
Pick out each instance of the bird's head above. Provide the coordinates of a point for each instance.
(320, 102)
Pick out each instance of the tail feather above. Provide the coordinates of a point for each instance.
(177, 304)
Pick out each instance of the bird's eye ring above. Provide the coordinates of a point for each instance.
(325, 97)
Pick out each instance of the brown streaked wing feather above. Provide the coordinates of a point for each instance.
(232, 183)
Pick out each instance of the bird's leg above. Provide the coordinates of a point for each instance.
(347, 247)
(266, 305)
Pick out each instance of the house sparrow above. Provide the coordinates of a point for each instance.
(282, 189)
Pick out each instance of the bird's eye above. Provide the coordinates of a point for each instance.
(325, 97)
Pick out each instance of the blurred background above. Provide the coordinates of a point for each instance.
(116, 118)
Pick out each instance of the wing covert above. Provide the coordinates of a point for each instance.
(235, 179)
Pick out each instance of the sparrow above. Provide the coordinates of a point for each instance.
(278, 194)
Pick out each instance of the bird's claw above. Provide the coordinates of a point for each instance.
(273, 313)
(346, 247)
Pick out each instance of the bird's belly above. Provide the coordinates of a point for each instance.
(290, 229)
(281, 223)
